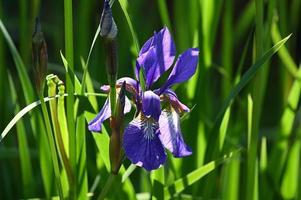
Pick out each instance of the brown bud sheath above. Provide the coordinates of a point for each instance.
(116, 125)
(39, 56)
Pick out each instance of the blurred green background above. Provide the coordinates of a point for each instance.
(231, 34)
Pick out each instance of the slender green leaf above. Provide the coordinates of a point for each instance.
(182, 183)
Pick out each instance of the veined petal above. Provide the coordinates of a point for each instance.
(156, 56)
(184, 68)
(105, 113)
(131, 86)
(175, 102)
(171, 135)
(142, 145)
(151, 106)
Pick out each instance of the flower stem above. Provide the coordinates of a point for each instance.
(52, 146)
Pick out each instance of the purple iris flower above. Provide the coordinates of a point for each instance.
(157, 124)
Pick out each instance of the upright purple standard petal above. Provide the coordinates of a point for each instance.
(151, 106)
(160, 50)
(105, 113)
(184, 68)
(171, 135)
(142, 145)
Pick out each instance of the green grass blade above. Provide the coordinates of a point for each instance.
(289, 184)
(182, 183)
(102, 143)
(164, 13)
(227, 47)
(242, 26)
(25, 161)
(245, 79)
(158, 183)
(280, 150)
(24, 78)
(283, 52)
(31, 106)
(124, 6)
(82, 176)
(230, 179)
(68, 18)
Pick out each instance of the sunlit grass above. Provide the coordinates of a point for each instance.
(244, 127)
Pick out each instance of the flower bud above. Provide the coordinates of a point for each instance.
(108, 28)
(39, 56)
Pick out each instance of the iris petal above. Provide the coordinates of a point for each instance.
(151, 105)
(105, 113)
(171, 134)
(184, 68)
(175, 102)
(156, 56)
(131, 86)
(142, 145)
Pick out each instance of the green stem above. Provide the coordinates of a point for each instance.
(52, 146)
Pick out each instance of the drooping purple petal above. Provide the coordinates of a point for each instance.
(105, 113)
(175, 102)
(131, 86)
(151, 106)
(156, 56)
(142, 145)
(171, 135)
(184, 68)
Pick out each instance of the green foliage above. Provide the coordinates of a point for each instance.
(244, 127)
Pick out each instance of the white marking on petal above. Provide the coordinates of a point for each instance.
(149, 127)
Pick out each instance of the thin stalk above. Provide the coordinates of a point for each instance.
(52, 146)
(57, 131)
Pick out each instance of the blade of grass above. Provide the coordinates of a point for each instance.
(29, 107)
(25, 81)
(68, 19)
(194, 176)
(244, 22)
(230, 179)
(24, 25)
(289, 183)
(25, 161)
(124, 6)
(164, 13)
(207, 15)
(227, 46)
(45, 157)
(280, 149)
(158, 183)
(245, 79)
(283, 52)
(211, 180)
(102, 142)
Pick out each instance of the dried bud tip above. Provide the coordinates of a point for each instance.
(108, 28)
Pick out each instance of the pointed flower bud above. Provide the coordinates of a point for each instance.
(39, 56)
(116, 125)
(108, 28)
